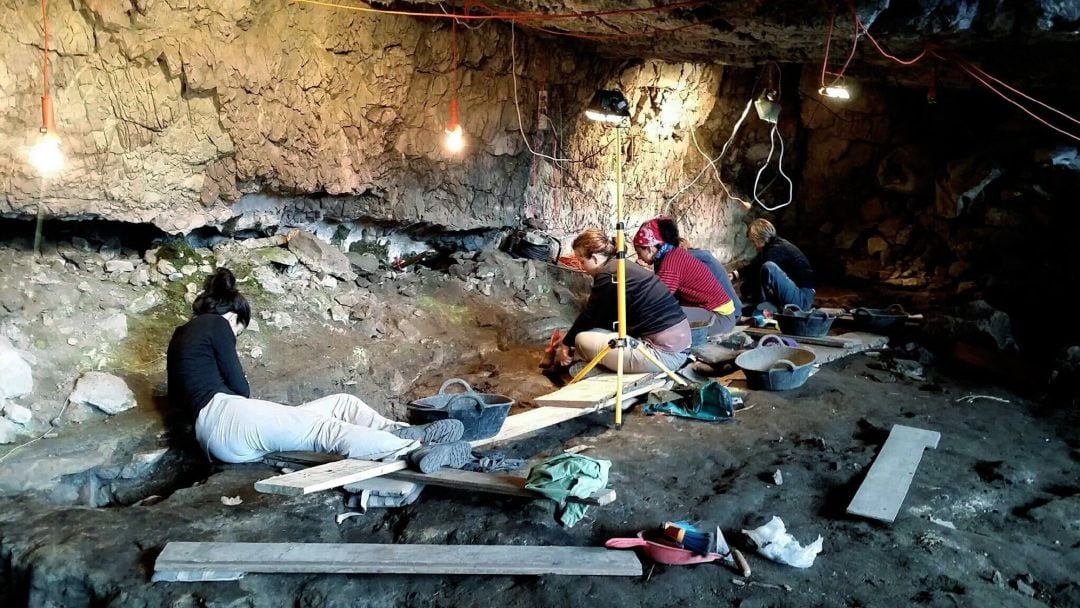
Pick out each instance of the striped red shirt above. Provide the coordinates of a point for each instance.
(690, 281)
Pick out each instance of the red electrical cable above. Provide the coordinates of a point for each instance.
(45, 52)
(1014, 90)
(1016, 103)
(854, 43)
(828, 42)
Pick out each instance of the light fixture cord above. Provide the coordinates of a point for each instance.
(44, 57)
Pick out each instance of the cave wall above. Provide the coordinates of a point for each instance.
(243, 114)
(953, 201)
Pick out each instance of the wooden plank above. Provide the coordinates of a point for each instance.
(341, 472)
(531, 421)
(506, 485)
(592, 391)
(327, 476)
(363, 558)
(886, 484)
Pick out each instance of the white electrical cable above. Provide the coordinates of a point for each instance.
(716, 170)
(464, 24)
(517, 106)
(773, 136)
(712, 162)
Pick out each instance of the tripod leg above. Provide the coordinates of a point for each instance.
(592, 364)
(618, 387)
(648, 355)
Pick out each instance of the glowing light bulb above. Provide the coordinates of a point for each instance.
(835, 92)
(46, 156)
(455, 139)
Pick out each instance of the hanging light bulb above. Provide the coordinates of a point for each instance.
(46, 156)
(836, 91)
(455, 138)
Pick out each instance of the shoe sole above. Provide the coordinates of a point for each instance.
(453, 455)
(443, 431)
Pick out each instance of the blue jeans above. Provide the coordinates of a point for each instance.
(780, 290)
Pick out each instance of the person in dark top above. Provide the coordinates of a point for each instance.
(702, 295)
(780, 274)
(207, 381)
(652, 313)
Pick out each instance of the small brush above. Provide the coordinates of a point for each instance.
(690, 538)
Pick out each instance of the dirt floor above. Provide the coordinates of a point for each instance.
(992, 517)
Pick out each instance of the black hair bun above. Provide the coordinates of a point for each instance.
(221, 283)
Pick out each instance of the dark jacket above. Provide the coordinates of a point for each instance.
(717, 269)
(650, 307)
(788, 257)
(202, 362)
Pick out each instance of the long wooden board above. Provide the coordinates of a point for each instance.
(593, 391)
(491, 483)
(361, 558)
(507, 485)
(886, 484)
(341, 472)
(326, 476)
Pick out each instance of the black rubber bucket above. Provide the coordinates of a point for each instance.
(482, 414)
(879, 319)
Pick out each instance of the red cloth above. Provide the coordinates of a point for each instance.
(690, 281)
(649, 234)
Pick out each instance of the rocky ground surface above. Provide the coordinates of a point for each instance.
(992, 518)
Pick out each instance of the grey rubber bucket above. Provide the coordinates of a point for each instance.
(811, 323)
(482, 414)
(776, 368)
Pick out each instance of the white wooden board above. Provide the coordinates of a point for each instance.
(886, 484)
(361, 558)
(326, 476)
(592, 391)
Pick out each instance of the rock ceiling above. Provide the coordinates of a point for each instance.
(749, 32)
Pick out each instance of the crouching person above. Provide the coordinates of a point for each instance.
(652, 313)
(207, 381)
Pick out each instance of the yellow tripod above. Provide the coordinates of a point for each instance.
(622, 342)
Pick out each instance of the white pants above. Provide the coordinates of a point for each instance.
(590, 343)
(236, 429)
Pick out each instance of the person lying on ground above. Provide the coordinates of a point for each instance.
(206, 380)
(703, 298)
(652, 314)
(780, 274)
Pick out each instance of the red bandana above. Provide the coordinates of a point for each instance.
(649, 233)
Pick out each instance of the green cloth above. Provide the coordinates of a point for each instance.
(710, 402)
(565, 475)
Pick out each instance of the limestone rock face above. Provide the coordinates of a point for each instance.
(106, 392)
(15, 375)
(261, 114)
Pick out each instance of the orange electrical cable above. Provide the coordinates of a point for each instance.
(513, 16)
(45, 52)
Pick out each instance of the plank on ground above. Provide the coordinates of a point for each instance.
(491, 483)
(341, 472)
(592, 391)
(326, 476)
(359, 558)
(886, 484)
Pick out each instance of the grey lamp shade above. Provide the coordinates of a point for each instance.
(608, 106)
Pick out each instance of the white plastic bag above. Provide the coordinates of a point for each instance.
(775, 543)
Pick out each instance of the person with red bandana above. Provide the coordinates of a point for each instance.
(702, 297)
